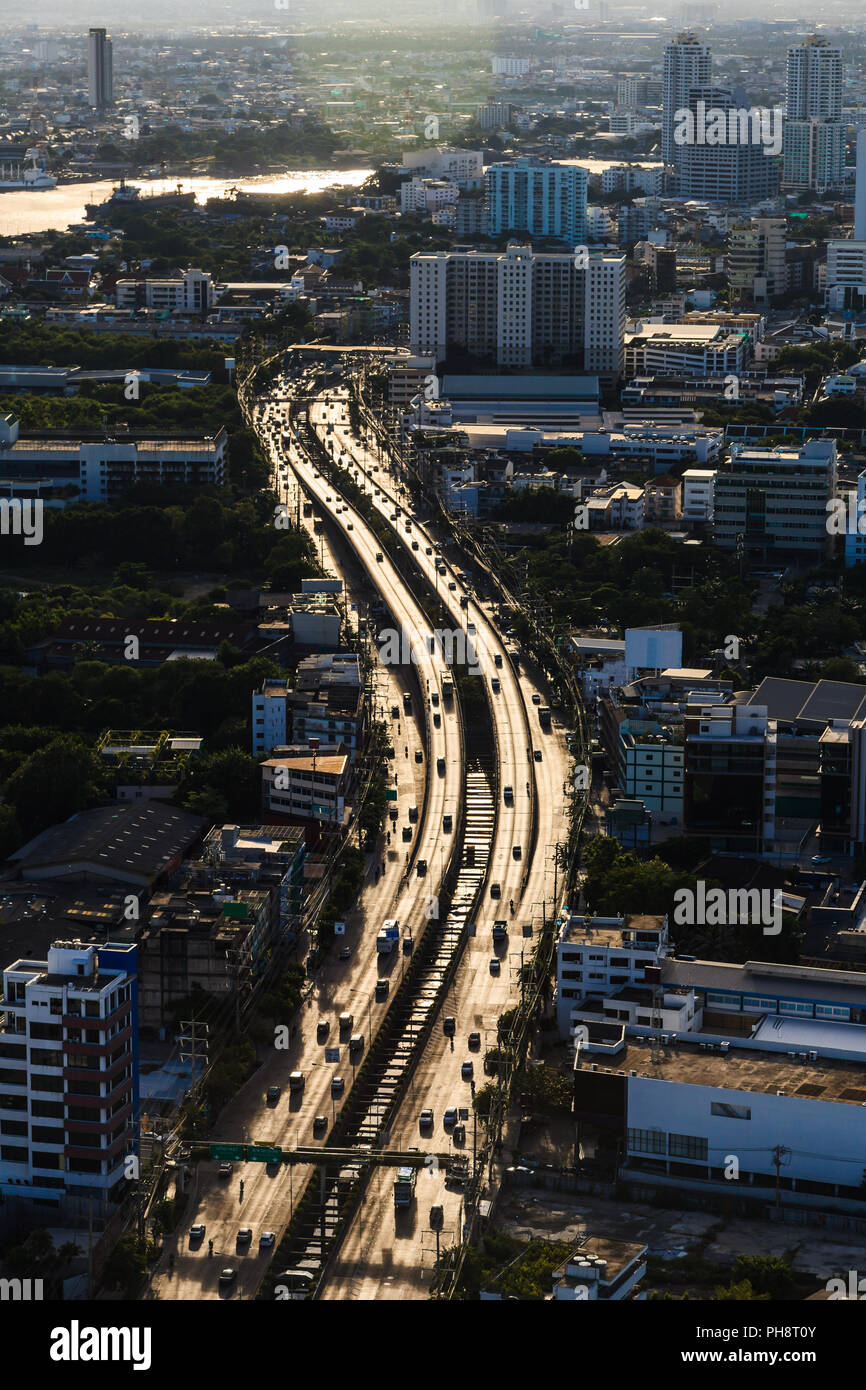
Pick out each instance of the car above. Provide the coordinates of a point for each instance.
(338, 1085)
(452, 585)
(447, 823)
(536, 753)
(536, 699)
(436, 1218)
(419, 756)
(379, 555)
(517, 852)
(467, 1071)
(381, 990)
(414, 545)
(413, 814)
(407, 833)
(356, 1044)
(323, 1027)
(228, 1276)
(346, 1020)
(320, 1124)
(197, 1232)
(437, 720)
(450, 1116)
(820, 859)
(497, 658)
(495, 890)
(245, 1235)
(449, 1026)
(458, 1134)
(474, 1040)
(266, 1238)
(395, 711)
(225, 1169)
(273, 1094)
(346, 953)
(421, 867)
(507, 794)
(425, 1119)
(494, 965)
(349, 526)
(296, 1081)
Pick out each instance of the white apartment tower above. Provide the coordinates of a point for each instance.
(518, 307)
(687, 64)
(814, 140)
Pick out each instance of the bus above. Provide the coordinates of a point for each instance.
(544, 716)
(447, 686)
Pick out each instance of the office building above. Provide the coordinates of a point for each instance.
(100, 75)
(846, 274)
(687, 64)
(69, 1069)
(519, 308)
(103, 465)
(542, 200)
(739, 169)
(755, 260)
(775, 500)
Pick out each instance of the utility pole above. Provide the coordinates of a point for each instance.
(780, 1154)
(196, 1036)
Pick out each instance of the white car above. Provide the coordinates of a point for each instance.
(265, 1239)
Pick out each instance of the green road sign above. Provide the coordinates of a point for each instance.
(234, 1152)
(260, 1153)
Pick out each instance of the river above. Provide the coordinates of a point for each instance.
(54, 209)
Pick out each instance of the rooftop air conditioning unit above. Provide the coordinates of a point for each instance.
(594, 1066)
(780, 1093)
(632, 1073)
(813, 1056)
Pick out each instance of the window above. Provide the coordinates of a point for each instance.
(687, 1146)
(651, 1141)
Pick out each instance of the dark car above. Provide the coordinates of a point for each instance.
(272, 1094)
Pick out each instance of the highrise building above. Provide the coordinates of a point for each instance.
(519, 308)
(69, 1069)
(542, 200)
(860, 189)
(814, 148)
(100, 76)
(738, 169)
(687, 64)
(814, 85)
(755, 261)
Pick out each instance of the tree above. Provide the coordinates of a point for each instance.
(54, 783)
(126, 1266)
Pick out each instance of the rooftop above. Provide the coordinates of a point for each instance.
(740, 1069)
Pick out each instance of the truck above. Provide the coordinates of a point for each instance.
(404, 1189)
(447, 686)
(544, 716)
(389, 935)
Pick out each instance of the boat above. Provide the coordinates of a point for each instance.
(25, 173)
(127, 195)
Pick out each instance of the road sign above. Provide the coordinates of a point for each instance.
(263, 1153)
(233, 1152)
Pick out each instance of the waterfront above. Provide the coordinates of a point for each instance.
(22, 213)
